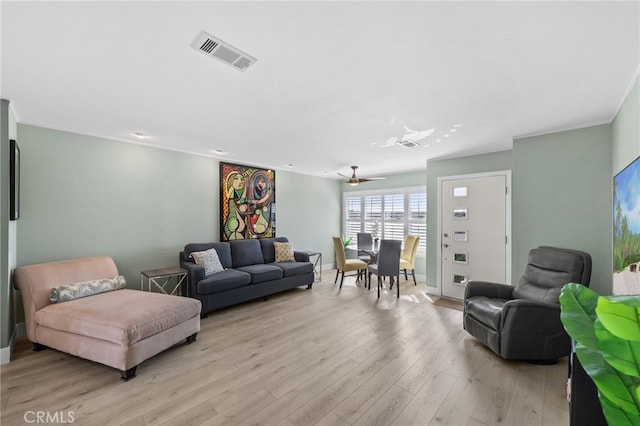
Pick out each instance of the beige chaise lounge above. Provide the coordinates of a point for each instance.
(118, 328)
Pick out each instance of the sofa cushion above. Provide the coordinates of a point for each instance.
(123, 317)
(291, 269)
(246, 252)
(209, 259)
(262, 273)
(65, 293)
(223, 281)
(268, 251)
(222, 248)
(485, 310)
(284, 252)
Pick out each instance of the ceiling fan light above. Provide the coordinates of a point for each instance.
(353, 183)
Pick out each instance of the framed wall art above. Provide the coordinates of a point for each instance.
(14, 180)
(626, 230)
(247, 202)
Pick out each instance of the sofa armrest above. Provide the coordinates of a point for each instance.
(300, 256)
(195, 273)
(488, 289)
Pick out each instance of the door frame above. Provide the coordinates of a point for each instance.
(441, 179)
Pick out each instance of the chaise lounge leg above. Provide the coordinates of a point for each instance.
(126, 375)
(37, 347)
(309, 286)
(192, 338)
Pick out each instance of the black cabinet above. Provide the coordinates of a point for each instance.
(584, 408)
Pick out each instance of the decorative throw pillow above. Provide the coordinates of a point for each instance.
(64, 293)
(284, 252)
(209, 259)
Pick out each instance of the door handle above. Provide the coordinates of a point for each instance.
(445, 245)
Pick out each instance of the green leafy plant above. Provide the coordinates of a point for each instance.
(346, 242)
(607, 335)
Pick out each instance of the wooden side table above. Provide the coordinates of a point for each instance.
(317, 264)
(165, 280)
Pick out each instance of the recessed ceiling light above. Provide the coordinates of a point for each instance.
(217, 151)
(290, 166)
(140, 135)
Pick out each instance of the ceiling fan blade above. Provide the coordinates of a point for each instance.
(370, 179)
(344, 176)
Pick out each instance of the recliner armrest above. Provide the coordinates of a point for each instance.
(531, 315)
(488, 289)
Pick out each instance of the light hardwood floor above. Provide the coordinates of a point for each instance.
(323, 356)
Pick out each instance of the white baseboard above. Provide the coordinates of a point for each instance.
(5, 353)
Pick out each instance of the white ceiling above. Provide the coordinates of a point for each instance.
(333, 81)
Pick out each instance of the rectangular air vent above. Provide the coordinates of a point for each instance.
(212, 46)
(408, 143)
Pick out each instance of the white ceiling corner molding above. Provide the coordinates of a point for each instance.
(218, 49)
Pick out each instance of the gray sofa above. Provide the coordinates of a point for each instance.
(250, 272)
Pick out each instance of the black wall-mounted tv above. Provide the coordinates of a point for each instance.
(14, 180)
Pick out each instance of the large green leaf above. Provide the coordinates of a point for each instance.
(610, 382)
(578, 305)
(619, 318)
(616, 416)
(621, 354)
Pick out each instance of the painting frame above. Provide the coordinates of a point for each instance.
(626, 230)
(14, 180)
(247, 202)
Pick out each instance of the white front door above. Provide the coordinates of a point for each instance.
(474, 231)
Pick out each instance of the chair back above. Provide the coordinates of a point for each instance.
(365, 240)
(341, 257)
(388, 258)
(548, 270)
(410, 249)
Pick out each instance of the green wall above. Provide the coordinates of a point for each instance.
(453, 167)
(308, 212)
(84, 196)
(626, 130)
(562, 196)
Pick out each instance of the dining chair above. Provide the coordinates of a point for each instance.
(408, 256)
(343, 264)
(365, 242)
(387, 265)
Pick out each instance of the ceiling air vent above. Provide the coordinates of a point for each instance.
(212, 46)
(408, 143)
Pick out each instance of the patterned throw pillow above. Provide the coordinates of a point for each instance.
(64, 293)
(284, 252)
(209, 259)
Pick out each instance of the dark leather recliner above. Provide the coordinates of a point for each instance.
(523, 321)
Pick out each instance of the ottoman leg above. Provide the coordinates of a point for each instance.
(37, 347)
(191, 338)
(126, 375)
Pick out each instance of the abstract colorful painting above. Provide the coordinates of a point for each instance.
(626, 230)
(247, 202)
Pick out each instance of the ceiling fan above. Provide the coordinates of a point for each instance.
(354, 180)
